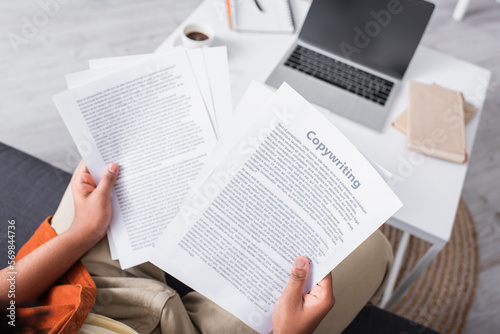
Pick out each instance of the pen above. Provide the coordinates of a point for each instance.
(228, 4)
(258, 6)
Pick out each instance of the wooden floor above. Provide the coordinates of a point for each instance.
(80, 30)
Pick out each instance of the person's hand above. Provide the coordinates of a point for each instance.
(92, 203)
(46, 264)
(297, 312)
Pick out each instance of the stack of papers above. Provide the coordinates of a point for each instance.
(224, 209)
(156, 116)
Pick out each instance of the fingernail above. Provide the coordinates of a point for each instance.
(113, 168)
(299, 263)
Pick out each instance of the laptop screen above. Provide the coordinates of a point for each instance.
(380, 34)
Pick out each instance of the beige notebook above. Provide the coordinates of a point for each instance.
(401, 123)
(436, 125)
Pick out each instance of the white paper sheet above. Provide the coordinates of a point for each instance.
(266, 202)
(198, 64)
(252, 102)
(210, 67)
(115, 118)
(217, 70)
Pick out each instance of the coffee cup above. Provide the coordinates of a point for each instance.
(197, 35)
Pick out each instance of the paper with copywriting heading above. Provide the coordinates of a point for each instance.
(276, 194)
(255, 98)
(154, 125)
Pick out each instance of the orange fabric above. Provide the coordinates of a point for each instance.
(68, 302)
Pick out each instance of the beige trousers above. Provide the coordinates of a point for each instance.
(141, 298)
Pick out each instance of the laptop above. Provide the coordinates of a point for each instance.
(351, 55)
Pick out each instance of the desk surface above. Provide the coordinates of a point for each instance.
(429, 188)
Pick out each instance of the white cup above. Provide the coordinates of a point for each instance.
(197, 35)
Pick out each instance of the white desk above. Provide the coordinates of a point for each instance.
(429, 188)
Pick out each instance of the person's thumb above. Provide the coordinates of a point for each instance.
(108, 180)
(295, 285)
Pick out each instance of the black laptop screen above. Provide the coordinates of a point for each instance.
(380, 34)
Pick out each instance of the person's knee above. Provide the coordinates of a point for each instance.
(380, 246)
(384, 256)
(358, 280)
(375, 253)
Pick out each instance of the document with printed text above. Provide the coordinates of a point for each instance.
(151, 120)
(288, 184)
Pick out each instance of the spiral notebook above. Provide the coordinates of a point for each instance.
(261, 16)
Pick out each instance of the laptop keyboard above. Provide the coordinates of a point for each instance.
(340, 74)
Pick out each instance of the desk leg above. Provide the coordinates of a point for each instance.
(410, 278)
(396, 267)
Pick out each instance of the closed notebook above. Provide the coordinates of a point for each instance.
(436, 124)
(262, 16)
(401, 123)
